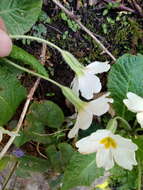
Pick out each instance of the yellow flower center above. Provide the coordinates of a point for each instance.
(108, 142)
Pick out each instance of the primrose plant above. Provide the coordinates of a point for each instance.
(110, 148)
(96, 141)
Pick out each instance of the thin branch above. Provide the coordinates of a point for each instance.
(121, 6)
(76, 19)
(138, 7)
(38, 150)
(10, 175)
(26, 105)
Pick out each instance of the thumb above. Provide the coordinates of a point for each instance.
(5, 42)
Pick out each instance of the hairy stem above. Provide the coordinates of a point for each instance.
(36, 39)
(124, 121)
(31, 72)
(139, 175)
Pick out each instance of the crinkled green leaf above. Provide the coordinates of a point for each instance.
(125, 76)
(66, 151)
(34, 164)
(4, 162)
(23, 57)
(22, 139)
(54, 158)
(81, 171)
(59, 156)
(19, 15)
(123, 179)
(139, 143)
(48, 113)
(41, 115)
(11, 95)
(22, 173)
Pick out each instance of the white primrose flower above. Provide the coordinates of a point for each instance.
(109, 148)
(85, 114)
(4, 131)
(87, 82)
(135, 104)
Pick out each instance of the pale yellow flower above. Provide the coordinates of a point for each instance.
(109, 148)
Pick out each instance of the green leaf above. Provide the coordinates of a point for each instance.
(34, 164)
(41, 115)
(22, 139)
(48, 113)
(81, 171)
(22, 173)
(11, 95)
(19, 15)
(139, 143)
(41, 138)
(59, 156)
(125, 76)
(4, 162)
(54, 158)
(123, 179)
(20, 55)
(66, 151)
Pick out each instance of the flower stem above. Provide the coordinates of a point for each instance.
(124, 121)
(139, 175)
(31, 72)
(36, 39)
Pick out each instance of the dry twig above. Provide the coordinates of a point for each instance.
(26, 105)
(76, 19)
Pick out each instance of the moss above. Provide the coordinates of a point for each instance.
(137, 35)
(123, 36)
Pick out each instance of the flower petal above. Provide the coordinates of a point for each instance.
(97, 67)
(104, 159)
(100, 134)
(125, 143)
(84, 120)
(101, 105)
(75, 86)
(134, 102)
(140, 118)
(124, 158)
(86, 146)
(88, 85)
(91, 143)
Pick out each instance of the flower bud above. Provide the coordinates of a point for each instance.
(112, 125)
